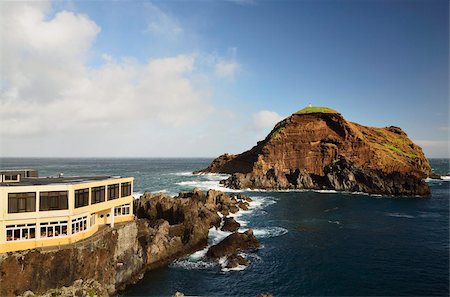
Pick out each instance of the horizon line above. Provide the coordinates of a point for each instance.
(139, 157)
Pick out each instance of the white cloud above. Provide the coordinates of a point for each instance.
(266, 119)
(47, 87)
(107, 57)
(53, 103)
(161, 23)
(226, 69)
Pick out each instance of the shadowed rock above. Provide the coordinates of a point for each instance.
(233, 244)
(230, 225)
(234, 261)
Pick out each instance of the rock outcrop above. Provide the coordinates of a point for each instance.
(316, 148)
(235, 260)
(234, 243)
(166, 228)
(230, 225)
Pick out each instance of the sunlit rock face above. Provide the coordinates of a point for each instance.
(317, 148)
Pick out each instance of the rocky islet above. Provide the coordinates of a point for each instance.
(317, 148)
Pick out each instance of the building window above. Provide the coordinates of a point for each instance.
(122, 210)
(55, 200)
(81, 197)
(21, 202)
(11, 177)
(79, 224)
(20, 232)
(126, 189)
(97, 194)
(53, 229)
(113, 192)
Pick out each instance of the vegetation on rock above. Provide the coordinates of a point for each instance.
(316, 109)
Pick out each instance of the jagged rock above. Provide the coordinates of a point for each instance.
(235, 261)
(233, 244)
(243, 205)
(316, 148)
(435, 176)
(233, 208)
(230, 225)
(244, 198)
(188, 211)
(224, 211)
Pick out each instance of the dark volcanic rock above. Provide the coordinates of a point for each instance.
(230, 225)
(243, 205)
(233, 208)
(435, 176)
(234, 243)
(316, 148)
(187, 214)
(236, 260)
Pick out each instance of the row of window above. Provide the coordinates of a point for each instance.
(57, 228)
(54, 229)
(122, 210)
(9, 177)
(98, 194)
(58, 200)
(20, 232)
(47, 229)
(26, 202)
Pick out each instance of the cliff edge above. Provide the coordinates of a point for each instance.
(317, 148)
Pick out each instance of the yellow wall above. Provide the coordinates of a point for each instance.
(38, 217)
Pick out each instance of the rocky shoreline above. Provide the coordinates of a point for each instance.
(166, 228)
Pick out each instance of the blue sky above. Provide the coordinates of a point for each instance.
(243, 65)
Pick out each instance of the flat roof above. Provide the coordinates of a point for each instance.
(16, 170)
(39, 181)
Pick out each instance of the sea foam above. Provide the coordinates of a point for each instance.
(399, 215)
(268, 232)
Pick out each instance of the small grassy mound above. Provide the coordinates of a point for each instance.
(316, 109)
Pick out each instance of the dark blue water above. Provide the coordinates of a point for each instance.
(314, 243)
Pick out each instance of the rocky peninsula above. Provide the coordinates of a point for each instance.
(317, 148)
(166, 228)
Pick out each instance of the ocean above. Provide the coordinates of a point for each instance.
(314, 243)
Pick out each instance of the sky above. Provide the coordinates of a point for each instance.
(201, 78)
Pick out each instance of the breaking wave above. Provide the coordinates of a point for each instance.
(137, 195)
(191, 265)
(399, 215)
(269, 232)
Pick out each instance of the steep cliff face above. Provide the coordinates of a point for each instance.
(316, 148)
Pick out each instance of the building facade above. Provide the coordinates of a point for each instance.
(53, 211)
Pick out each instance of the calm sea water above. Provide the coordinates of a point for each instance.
(313, 243)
